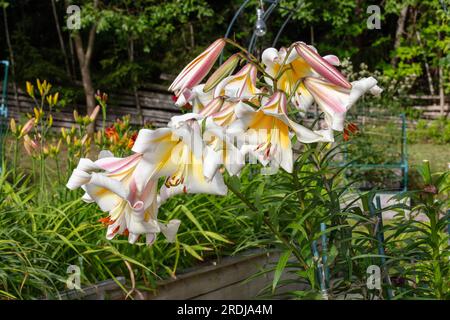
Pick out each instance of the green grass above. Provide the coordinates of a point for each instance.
(438, 155)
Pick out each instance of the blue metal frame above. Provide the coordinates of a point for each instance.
(403, 164)
(3, 102)
(378, 213)
(323, 270)
(3, 107)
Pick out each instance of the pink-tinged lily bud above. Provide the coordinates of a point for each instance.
(94, 113)
(225, 70)
(198, 68)
(321, 66)
(30, 145)
(27, 127)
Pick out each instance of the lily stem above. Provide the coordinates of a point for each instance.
(272, 228)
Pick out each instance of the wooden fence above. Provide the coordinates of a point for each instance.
(156, 105)
(429, 105)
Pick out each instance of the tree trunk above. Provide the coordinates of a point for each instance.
(399, 33)
(192, 35)
(11, 58)
(84, 59)
(61, 39)
(72, 59)
(427, 66)
(441, 89)
(88, 88)
(134, 80)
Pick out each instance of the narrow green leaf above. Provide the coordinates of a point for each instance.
(192, 252)
(280, 267)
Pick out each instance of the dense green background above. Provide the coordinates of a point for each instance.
(167, 34)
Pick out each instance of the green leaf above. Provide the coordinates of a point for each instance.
(217, 236)
(234, 183)
(192, 252)
(191, 217)
(280, 267)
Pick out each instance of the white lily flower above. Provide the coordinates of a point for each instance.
(114, 189)
(268, 132)
(293, 69)
(177, 153)
(315, 79)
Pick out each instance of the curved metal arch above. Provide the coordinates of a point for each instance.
(273, 5)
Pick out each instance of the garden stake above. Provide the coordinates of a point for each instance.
(322, 268)
(320, 273)
(380, 238)
(3, 107)
(448, 225)
(323, 228)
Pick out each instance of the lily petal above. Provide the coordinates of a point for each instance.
(334, 100)
(198, 68)
(321, 66)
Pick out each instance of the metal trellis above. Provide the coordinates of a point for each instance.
(3, 107)
(273, 4)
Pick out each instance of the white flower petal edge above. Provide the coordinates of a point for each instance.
(178, 154)
(335, 101)
(131, 211)
(267, 133)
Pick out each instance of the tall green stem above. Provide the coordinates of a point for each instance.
(16, 151)
(272, 228)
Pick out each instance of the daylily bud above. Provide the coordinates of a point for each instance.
(46, 86)
(58, 146)
(75, 115)
(30, 89)
(223, 71)
(39, 84)
(36, 114)
(55, 98)
(12, 125)
(321, 66)
(50, 120)
(63, 133)
(198, 68)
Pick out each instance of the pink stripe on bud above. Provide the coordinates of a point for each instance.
(321, 66)
(198, 68)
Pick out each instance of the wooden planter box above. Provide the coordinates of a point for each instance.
(225, 280)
